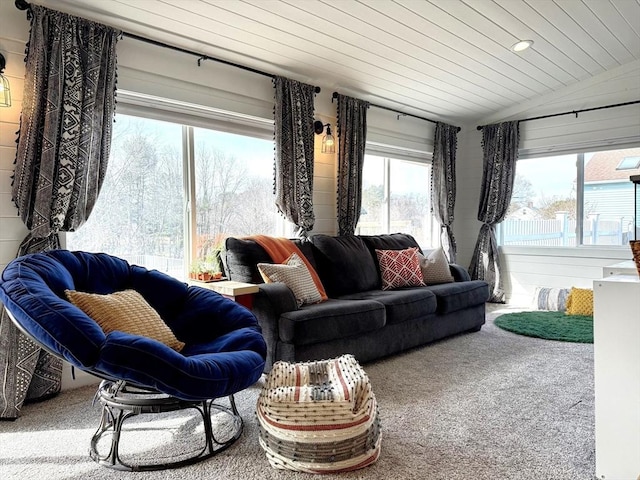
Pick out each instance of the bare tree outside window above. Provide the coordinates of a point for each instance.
(139, 215)
(396, 198)
(139, 212)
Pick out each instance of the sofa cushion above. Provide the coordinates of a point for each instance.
(391, 241)
(242, 256)
(330, 320)
(345, 265)
(400, 268)
(456, 296)
(401, 305)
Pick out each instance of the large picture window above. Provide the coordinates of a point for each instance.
(139, 212)
(396, 198)
(165, 208)
(570, 200)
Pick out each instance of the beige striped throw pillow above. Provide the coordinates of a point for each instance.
(295, 275)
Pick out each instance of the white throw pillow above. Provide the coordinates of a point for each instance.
(435, 267)
(295, 275)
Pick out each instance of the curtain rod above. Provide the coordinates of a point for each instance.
(335, 95)
(576, 112)
(24, 5)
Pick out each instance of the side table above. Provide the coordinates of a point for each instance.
(239, 292)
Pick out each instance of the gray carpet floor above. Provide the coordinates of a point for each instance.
(487, 405)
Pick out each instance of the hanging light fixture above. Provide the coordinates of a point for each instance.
(328, 141)
(5, 89)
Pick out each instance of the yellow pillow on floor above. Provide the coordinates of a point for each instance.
(580, 301)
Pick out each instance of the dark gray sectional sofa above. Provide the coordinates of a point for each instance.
(359, 318)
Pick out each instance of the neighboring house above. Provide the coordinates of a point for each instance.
(525, 213)
(608, 192)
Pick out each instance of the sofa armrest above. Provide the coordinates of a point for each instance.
(277, 297)
(459, 273)
(271, 301)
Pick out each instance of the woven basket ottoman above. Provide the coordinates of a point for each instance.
(319, 417)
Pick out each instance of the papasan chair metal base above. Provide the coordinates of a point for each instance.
(121, 402)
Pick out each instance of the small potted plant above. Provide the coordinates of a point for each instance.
(204, 272)
(197, 271)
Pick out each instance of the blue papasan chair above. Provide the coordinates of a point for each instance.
(214, 348)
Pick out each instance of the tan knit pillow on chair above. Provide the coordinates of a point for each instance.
(126, 311)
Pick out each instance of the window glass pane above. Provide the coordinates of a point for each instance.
(373, 217)
(628, 163)
(139, 212)
(543, 205)
(608, 196)
(395, 198)
(410, 210)
(234, 191)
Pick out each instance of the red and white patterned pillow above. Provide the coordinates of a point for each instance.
(400, 268)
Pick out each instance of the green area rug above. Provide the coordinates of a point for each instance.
(549, 325)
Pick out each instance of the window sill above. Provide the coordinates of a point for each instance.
(613, 252)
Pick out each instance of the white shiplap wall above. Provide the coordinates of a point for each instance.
(13, 35)
(160, 72)
(468, 178)
(525, 267)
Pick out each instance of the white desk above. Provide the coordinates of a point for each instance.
(627, 267)
(616, 330)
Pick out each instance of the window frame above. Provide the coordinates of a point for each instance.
(189, 117)
(581, 250)
(391, 153)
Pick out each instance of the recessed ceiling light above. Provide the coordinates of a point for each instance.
(521, 45)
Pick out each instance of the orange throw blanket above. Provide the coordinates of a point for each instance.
(280, 248)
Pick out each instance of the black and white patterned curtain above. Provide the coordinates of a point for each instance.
(294, 137)
(500, 146)
(443, 185)
(352, 134)
(63, 149)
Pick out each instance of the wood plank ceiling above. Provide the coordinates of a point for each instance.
(444, 59)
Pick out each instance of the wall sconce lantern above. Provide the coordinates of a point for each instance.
(328, 141)
(5, 89)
